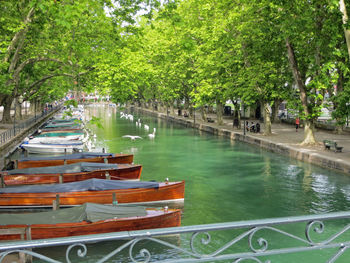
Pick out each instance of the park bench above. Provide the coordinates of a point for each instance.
(328, 144)
(210, 120)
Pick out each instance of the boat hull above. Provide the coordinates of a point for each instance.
(124, 172)
(153, 219)
(167, 192)
(44, 131)
(42, 148)
(117, 158)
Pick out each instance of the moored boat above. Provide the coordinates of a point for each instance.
(86, 219)
(65, 135)
(60, 130)
(70, 173)
(61, 125)
(94, 157)
(60, 120)
(72, 139)
(53, 148)
(92, 190)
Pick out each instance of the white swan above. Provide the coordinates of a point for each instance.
(146, 127)
(152, 135)
(138, 123)
(132, 137)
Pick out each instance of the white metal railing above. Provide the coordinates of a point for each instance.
(254, 241)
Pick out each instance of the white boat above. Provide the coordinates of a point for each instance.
(57, 139)
(52, 148)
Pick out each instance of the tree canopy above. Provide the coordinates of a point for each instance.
(195, 53)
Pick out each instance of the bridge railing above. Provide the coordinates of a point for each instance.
(243, 241)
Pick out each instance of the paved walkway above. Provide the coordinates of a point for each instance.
(286, 134)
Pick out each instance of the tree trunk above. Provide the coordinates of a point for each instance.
(238, 110)
(340, 88)
(309, 131)
(339, 128)
(345, 21)
(309, 137)
(236, 115)
(7, 102)
(18, 110)
(190, 111)
(274, 114)
(32, 107)
(267, 119)
(26, 107)
(203, 113)
(219, 112)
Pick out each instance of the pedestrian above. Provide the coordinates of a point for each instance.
(252, 127)
(297, 122)
(257, 127)
(247, 125)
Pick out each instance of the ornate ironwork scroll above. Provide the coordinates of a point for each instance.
(200, 246)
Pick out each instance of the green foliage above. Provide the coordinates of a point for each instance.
(196, 52)
(69, 103)
(96, 121)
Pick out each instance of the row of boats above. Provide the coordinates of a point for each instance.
(59, 135)
(91, 192)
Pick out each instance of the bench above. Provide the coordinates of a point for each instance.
(328, 144)
(210, 120)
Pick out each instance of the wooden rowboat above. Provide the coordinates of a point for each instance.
(42, 148)
(72, 158)
(70, 173)
(85, 220)
(92, 190)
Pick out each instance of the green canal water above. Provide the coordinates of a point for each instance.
(225, 181)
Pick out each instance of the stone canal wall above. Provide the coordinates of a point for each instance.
(299, 153)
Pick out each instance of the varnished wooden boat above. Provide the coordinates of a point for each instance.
(72, 158)
(53, 224)
(66, 174)
(150, 192)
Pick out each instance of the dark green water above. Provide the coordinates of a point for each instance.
(225, 181)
